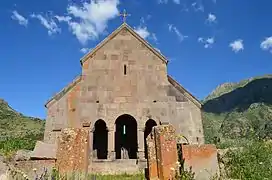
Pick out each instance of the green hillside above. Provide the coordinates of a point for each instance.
(14, 124)
(18, 131)
(236, 111)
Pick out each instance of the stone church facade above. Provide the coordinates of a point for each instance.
(123, 91)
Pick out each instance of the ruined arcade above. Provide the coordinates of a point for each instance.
(123, 91)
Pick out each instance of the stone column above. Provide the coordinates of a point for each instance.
(141, 143)
(91, 145)
(111, 144)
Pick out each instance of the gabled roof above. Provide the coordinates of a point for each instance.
(184, 91)
(113, 34)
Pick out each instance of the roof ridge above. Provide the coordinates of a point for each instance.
(188, 95)
(113, 34)
(64, 90)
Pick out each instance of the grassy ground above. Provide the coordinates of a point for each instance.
(74, 176)
(117, 177)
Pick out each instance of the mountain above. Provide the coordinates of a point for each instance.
(15, 125)
(239, 110)
(228, 87)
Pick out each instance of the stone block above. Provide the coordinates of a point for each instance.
(72, 105)
(162, 153)
(57, 127)
(152, 158)
(44, 151)
(28, 167)
(22, 155)
(120, 100)
(73, 151)
(86, 124)
(167, 154)
(202, 159)
(86, 65)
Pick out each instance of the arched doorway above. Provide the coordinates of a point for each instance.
(126, 137)
(100, 139)
(148, 128)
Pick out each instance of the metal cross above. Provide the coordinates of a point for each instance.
(124, 15)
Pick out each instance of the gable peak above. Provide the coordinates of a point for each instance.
(123, 26)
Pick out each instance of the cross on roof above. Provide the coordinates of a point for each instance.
(124, 15)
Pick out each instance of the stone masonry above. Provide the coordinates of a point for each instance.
(72, 152)
(202, 159)
(124, 75)
(152, 163)
(163, 161)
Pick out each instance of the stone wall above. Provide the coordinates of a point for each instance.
(203, 161)
(118, 166)
(162, 153)
(108, 93)
(73, 150)
(62, 111)
(165, 159)
(189, 122)
(40, 166)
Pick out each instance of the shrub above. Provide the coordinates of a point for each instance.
(11, 145)
(254, 161)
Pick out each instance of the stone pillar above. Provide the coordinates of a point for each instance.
(111, 144)
(91, 145)
(166, 151)
(72, 151)
(140, 135)
(152, 158)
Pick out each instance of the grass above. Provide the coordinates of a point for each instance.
(15, 173)
(116, 177)
(78, 176)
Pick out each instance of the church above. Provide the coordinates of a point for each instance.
(122, 92)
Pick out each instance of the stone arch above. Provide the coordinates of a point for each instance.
(100, 139)
(149, 124)
(126, 137)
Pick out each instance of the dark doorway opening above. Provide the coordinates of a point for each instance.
(126, 137)
(148, 128)
(100, 139)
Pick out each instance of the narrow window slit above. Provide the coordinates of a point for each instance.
(125, 69)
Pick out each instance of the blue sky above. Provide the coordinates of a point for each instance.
(208, 42)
